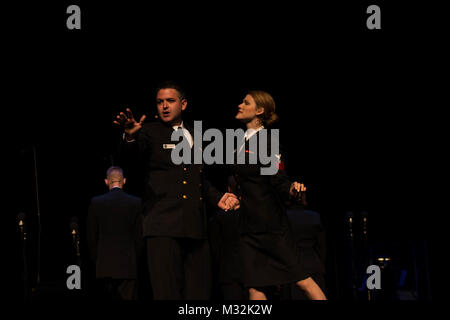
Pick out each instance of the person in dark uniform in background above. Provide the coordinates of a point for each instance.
(174, 217)
(309, 235)
(267, 248)
(224, 240)
(114, 235)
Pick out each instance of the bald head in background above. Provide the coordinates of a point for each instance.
(115, 178)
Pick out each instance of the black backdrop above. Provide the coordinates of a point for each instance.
(351, 101)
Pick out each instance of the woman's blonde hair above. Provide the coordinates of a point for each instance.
(265, 100)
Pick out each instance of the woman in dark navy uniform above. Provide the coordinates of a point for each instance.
(268, 250)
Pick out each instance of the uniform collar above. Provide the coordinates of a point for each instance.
(181, 125)
(250, 132)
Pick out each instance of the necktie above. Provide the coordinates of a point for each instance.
(186, 136)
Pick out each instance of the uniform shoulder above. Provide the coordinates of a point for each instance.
(99, 198)
(152, 129)
(152, 125)
(132, 197)
(114, 195)
(271, 138)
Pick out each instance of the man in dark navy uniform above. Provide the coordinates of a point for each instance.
(114, 234)
(174, 215)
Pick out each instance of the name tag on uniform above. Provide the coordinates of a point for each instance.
(168, 146)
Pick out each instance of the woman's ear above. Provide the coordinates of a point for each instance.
(259, 111)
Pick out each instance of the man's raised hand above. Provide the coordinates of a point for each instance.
(129, 125)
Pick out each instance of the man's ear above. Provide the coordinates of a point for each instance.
(107, 182)
(124, 180)
(183, 104)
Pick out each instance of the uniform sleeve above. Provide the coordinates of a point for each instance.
(129, 151)
(280, 181)
(211, 194)
(92, 230)
(139, 237)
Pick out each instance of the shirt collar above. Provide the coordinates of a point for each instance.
(250, 132)
(181, 125)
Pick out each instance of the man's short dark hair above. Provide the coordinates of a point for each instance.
(172, 85)
(115, 171)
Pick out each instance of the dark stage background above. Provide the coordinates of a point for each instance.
(352, 106)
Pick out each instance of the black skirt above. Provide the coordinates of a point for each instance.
(270, 259)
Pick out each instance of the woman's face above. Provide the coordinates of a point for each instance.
(248, 110)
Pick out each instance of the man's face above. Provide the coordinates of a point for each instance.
(170, 105)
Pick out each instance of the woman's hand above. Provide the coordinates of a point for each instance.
(297, 190)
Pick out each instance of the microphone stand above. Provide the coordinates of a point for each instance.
(38, 268)
(76, 243)
(23, 236)
(349, 218)
(369, 260)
